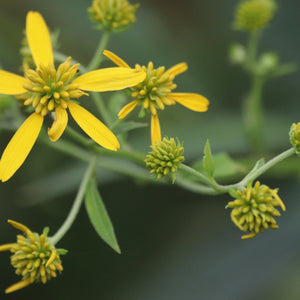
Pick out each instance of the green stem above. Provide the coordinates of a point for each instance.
(98, 100)
(252, 50)
(97, 58)
(77, 203)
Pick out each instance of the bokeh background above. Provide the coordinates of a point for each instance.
(175, 244)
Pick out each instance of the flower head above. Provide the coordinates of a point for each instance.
(33, 257)
(48, 89)
(253, 15)
(295, 137)
(254, 209)
(115, 15)
(155, 92)
(165, 157)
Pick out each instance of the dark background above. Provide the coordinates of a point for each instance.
(175, 244)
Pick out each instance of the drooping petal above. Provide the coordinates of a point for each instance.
(109, 79)
(59, 124)
(93, 127)
(155, 129)
(38, 38)
(177, 69)
(127, 109)
(116, 59)
(19, 285)
(195, 102)
(11, 84)
(19, 146)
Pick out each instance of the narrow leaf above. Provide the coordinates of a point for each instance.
(99, 217)
(208, 161)
(130, 125)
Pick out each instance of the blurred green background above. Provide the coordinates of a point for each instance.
(175, 244)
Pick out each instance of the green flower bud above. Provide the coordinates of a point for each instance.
(34, 258)
(165, 157)
(253, 15)
(114, 15)
(237, 54)
(254, 209)
(267, 63)
(295, 137)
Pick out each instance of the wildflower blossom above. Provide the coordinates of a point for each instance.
(254, 209)
(295, 137)
(114, 15)
(34, 258)
(165, 157)
(155, 92)
(47, 89)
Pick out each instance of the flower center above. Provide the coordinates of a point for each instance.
(154, 89)
(49, 87)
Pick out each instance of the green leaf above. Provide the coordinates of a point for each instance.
(99, 217)
(225, 166)
(208, 161)
(115, 103)
(130, 125)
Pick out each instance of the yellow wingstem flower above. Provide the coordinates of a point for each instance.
(155, 92)
(34, 258)
(48, 89)
(254, 209)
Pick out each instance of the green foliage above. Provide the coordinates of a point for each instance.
(208, 161)
(99, 217)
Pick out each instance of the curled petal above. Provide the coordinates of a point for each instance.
(193, 102)
(59, 125)
(155, 129)
(38, 38)
(11, 84)
(19, 146)
(116, 59)
(94, 128)
(19, 285)
(109, 79)
(177, 69)
(127, 109)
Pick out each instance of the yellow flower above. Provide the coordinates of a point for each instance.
(51, 90)
(155, 92)
(34, 258)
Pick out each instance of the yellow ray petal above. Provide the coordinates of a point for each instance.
(17, 286)
(155, 129)
(109, 79)
(19, 146)
(116, 59)
(38, 38)
(177, 69)
(11, 84)
(94, 128)
(59, 125)
(127, 109)
(193, 102)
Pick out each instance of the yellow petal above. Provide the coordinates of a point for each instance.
(11, 84)
(19, 285)
(109, 79)
(155, 129)
(177, 69)
(116, 59)
(59, 125)
(94, 128)
(193, 102)
(127, 109)
(19, 146)
(38, 38)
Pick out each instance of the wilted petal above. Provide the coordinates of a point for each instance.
(19, 146)
(38, 38)
(127, 109)
(59, 124)
(109, 79)
(155, 129)
(193, 102)
(11, 84)
(94, 128)
(116, 59)
(177, 69)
